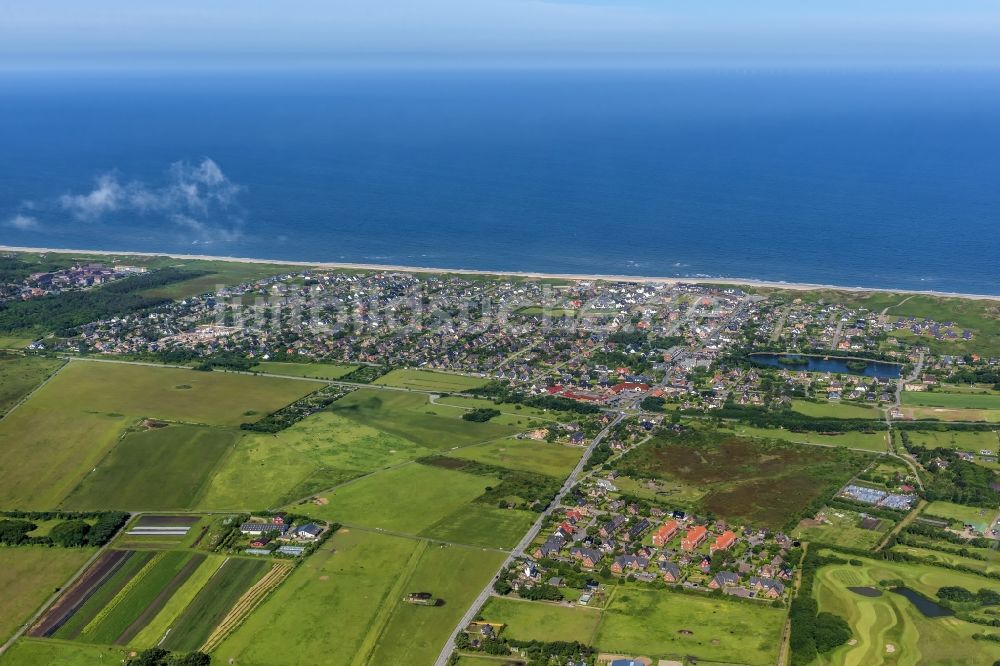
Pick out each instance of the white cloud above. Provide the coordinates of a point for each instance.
(23, 223)
(104, 198)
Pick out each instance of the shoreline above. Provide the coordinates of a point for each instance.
(576, 277)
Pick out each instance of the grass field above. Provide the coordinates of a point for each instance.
(868, 441)
(525, 454)
(311, 370)
(58, 436)
(212, 602)
(154, 631)
(159, 468)
(427, 380)
(989, 566)
(835, 410)
(651, 622)
(327, 606)
(14, 342)
(406, 415)
(892, 620)
(407, 499)
(765, 482)
(951, 400)
(225, 273)
(979, 517)
(28, 576)
(483, 525)
(316, 453)
(842, 530)
(32, 652)
(510, 409)
(19, 375)
(416, 634)
(532, 620)
(946, 414)
(953, 439)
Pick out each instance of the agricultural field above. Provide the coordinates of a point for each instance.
(764, 482)
(328, 605)
(841, 527)
(951, 400)
(411, 416)
(308, 370)
(868, 441)
(151, 635)
(973, 442)
(29, 576)
(32, 652)
(525, 454)
(665, 624)
(888, 625)
(157, 468)
(960, 514)
(409, 499)
(52, 441)
(315, 454)
(20, 375)
(835, 410)
(483, 525)
(428, 380)
(532, 620)
(946, 414)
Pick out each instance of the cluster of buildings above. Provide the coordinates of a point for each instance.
(74, 278)
(878, 497)
(276, 535)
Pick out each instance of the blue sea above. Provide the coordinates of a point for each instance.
(858, 178)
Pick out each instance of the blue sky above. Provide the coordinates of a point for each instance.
(125, 33)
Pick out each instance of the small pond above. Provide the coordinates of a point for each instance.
(927, 607)
(866, 591)
(832, 364)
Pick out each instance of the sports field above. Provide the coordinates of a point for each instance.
(835, 410)
(315, 454)
(428, 380)
(158, 468)
(28, 576)
(888, 629)
(960, 514)
(407, 499)
(667, 624)
(535, 620)
(19, 375)
(525, 454)
(311, 370)
(52, 441)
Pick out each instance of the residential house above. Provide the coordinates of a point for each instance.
(612, 526)
(551, 547)
(723, 542)
(694, 538)
(671, 572)
(665, 533)
(724, 579)
(768, 587)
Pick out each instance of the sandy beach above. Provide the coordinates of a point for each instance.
(794, 286)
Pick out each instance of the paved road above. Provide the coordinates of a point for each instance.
(518, 551)
(907, 458)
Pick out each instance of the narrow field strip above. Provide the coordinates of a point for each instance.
(122, 593)
(103, 595)
(248, 603)
(161, 599)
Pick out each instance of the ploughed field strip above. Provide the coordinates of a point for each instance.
(177, 526)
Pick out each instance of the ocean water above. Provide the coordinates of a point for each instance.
(866, 178)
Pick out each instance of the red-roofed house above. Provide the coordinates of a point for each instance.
(666, 532)
(723, 541)
(694, 538)
(629, 386)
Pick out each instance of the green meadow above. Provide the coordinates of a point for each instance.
(28, 576)
(525, 454)
(956, 439)
(482, 525)
(842, 529)
(20, 375)
(32, 652)
(428, 380)
(960, 514)
(951, 400)
(835, 410)
(532, 620)
(869, 441)
(309, 370)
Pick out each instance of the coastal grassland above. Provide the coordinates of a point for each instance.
(173, 394)
(891, 619)
(158, 468)
(416, 634)
(842, 529)
(668, 624)
(429, 380)
(103, 595)
(325, 609)
(315, 454)
(835, 410)
(130, 604)
(946, 414)
(765, 482)
(216, 273)
(28, 576)
(153, 633)
(309, 370)
(956, 439)
(960, 514)
(525, 454)
(19, 375)
(534, 620)
(483, 525)
(661, 490)
(951, 400)
(32, 652)
(409, 498)
(212, 602)
(868, 441)
(406, 415)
